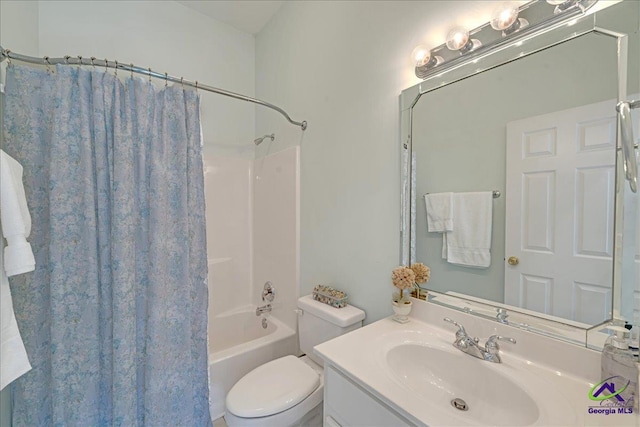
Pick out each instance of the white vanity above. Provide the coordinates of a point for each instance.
(392, 374)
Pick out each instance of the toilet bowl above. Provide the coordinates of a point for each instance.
(284, 392)
(288, 391)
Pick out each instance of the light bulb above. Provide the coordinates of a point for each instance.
(457, 38)
(421, 55)
(504, 16)
(460, 40)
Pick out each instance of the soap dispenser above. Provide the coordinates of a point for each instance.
(618, 367)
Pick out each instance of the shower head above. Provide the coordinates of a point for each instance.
(258, 141)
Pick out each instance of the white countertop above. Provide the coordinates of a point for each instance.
(557, 375)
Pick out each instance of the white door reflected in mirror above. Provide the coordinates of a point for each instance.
(560, 197)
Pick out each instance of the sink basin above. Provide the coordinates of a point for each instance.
(415, 370)
(440, 375)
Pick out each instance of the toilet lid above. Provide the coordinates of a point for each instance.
(273, 387)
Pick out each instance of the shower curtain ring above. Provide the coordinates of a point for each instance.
(196, 85)
(66, 59)
(80, 60)
(47, 63)
(115, 73)
(6, 53)
(149, 75)
(166, 81)
(131, 65)
(93, 58)
(182, 82)
(106, 65)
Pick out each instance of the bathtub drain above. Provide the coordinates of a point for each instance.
(459, 404)
(264, 323)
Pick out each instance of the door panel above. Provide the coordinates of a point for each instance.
(561, 183)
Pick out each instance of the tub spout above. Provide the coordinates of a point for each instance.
(263, 309)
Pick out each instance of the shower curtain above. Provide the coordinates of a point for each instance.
(114, 316)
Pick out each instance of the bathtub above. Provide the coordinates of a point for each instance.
(237, 344)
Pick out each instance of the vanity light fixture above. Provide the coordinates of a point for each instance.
(508, 23)
(505, 19)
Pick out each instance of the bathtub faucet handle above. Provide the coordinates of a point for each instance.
(268, 292)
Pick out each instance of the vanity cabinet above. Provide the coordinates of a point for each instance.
(348, 404)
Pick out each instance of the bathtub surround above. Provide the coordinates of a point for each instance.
(114, 317)
(252, 232)
(228, 184)
(276, 231)
(252, 238)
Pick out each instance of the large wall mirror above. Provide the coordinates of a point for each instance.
(520, 152)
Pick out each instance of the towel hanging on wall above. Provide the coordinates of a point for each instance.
(469, 243)
(439, 207)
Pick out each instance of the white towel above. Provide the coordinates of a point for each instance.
(16, 221)
(16, 258)
(469, 243)
(439, 208)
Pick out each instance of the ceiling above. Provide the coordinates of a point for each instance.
(249, 16)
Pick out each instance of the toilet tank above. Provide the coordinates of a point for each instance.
(318, 322)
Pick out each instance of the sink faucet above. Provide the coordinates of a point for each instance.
(466, 344)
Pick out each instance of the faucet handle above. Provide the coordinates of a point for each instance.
(502, 315)
(268, 292)
(492, 342)
(461, 331)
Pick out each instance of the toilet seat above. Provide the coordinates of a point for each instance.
(272, 388)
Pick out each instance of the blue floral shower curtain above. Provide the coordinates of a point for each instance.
(114, 318)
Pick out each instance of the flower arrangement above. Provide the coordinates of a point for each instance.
(402, 278)
(409, 277)
(422, 272)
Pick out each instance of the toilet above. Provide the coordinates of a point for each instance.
(288, 391)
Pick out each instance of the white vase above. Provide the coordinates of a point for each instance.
(402, 310)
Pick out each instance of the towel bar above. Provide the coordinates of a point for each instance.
(496, 194)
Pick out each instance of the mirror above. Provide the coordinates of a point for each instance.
(536, 127)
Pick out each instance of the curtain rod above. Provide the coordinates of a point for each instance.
(79, 60)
